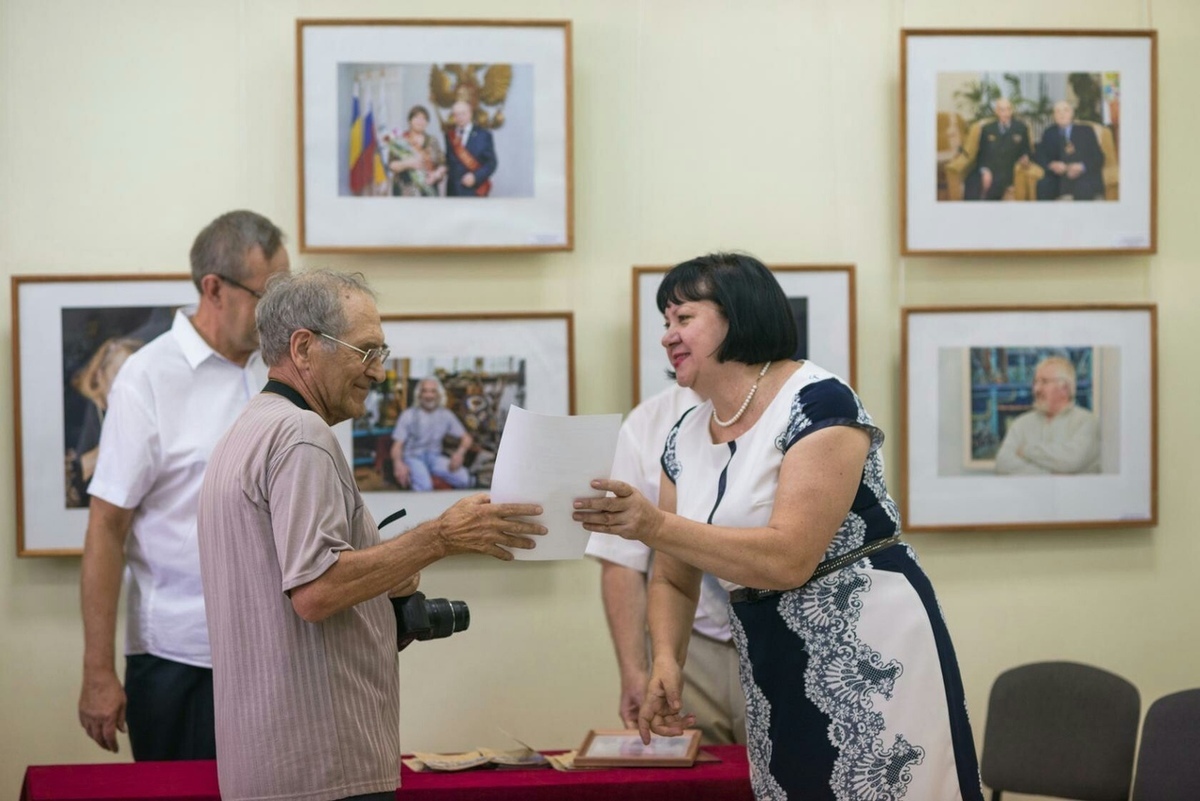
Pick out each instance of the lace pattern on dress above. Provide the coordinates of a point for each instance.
(800, 423)
(758, 722)
(843, 676)
(670, 459)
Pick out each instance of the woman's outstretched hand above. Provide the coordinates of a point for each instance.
(626, 512)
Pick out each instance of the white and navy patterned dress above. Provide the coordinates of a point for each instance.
(852, 687)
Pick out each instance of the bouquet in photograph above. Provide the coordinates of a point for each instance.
(399, 149)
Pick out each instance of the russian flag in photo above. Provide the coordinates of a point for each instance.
(356, 125)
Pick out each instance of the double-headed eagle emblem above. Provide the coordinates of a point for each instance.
(483, 86)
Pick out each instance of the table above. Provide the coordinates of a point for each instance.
(727, 780)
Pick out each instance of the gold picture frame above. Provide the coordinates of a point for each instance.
(1096, 468)
(485, 362)
(70, 335)
(381, 166)
(951, 130)
(623, 748)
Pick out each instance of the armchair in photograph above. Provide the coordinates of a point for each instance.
(1112, 171)
(949, 144)
(1025, 176)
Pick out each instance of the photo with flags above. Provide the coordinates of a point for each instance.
(459, 130)
(366, 170)
(419, 136)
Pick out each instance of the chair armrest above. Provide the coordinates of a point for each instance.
(956, 170)
(1112, 177)
(959, 166)
(1025, 180)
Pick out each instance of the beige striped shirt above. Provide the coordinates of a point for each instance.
(304, 711)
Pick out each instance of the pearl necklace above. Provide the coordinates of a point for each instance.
(745, 403)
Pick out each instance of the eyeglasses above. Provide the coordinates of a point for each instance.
(257, 295)
(368, 355)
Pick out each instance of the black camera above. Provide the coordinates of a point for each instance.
(421, 618)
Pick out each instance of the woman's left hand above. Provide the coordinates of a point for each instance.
(626, 513)
(662, 710)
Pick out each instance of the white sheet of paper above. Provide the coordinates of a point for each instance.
(552, 460)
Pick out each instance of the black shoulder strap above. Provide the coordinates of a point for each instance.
(280, 388)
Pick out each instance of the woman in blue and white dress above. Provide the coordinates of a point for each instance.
(775, 485)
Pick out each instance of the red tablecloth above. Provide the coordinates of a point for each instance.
(727, 780)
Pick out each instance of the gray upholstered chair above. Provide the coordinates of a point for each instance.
(1060, 729)
(1168, 765)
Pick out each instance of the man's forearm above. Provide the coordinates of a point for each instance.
(100, 582)
(623, 591)
(1010, 461)
(1073, 456)
(464, 445)
(473, 525)
(358, 576)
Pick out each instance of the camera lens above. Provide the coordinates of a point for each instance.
(446, 617)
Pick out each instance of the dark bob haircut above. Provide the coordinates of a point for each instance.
(415, 110)
(761, 327)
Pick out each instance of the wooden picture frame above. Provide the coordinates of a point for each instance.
(952, 129)
(623, 748)
(822, 298)
(374, 178)
(1029, 417)
(71, 333)
(485, 362)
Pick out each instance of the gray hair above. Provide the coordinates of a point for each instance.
(1066, 371)
(221, 248)
(437, 382)
(312, 299)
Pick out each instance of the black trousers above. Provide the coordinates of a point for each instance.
(169, 709)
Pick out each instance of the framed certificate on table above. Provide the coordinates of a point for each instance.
(613, 748)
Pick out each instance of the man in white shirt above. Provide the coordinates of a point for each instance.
(1055, 436)
(170, 403)
(711, 673)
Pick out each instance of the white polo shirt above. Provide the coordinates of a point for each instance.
(638, 461)
(172, 400)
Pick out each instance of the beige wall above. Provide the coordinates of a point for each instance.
(768, 126)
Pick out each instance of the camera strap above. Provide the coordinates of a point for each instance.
(280, 388)
(393, 516)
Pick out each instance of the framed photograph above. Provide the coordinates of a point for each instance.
(614, 748)
(822, 299)
(432, 428)
(434, 135)
(1028, 141)
(1035, 417)
(71, 333)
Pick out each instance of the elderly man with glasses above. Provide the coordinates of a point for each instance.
(170, 403)
(1055, 436)
(296, 578)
